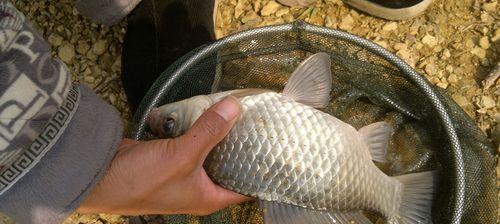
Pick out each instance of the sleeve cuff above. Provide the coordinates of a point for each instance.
(60, 182)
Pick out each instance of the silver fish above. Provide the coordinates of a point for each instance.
(299, 160)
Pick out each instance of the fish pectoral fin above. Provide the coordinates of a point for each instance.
(279, 213)
(377, 137)
(311, 82)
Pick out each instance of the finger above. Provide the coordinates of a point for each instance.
(210, 128)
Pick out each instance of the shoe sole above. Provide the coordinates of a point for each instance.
(389, 13)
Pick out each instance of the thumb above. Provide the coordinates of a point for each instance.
(210, 128)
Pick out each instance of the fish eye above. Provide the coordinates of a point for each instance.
(168, 127)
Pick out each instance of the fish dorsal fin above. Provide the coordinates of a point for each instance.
(279, 213)
(311, 82)
(376, 137)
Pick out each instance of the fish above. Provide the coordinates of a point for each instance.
(302, 164)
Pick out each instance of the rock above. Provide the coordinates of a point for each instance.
(106, 61)
(91, 56)
(239, 9)
(117, 65)
(452, 78)
(464, 103)
(251, 16)
(347, 22)
(431, 69)
(270, 8)
(288, 18)
(406, 56)
(479, 52)
(100, 47)
(297, 3)
(55, 39)
(485, 17)
(112, 99)
(446, 54)
(491, 79)
(484, 42)
(443, 83)
(282, 11)
(89, 79)
(449, 68)
(256, 5)
(400, 46)
(429, 40)
(82, 47)
(489, 7)
(487, 102)
(496, 37)
(66, 52)
(390, 26)
(469, 44)
(330, 22)
(382, 43)
(316, 17)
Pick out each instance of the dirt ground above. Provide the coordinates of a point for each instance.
(455, 44)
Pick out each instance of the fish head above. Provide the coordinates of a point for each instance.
(174, 119)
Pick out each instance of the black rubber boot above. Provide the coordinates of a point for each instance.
(391, 9)
(158, 33)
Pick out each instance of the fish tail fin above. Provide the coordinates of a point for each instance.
(418, 192)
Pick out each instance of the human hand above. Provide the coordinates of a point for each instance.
(166, 176)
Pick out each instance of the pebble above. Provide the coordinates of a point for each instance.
(487, 102)
(484, 42)
(55, 39)
(270, 8)
(295, 3)
(256, 5)
(443, 84)
(479, 52)
(431, 69)
(89, 79)
(116, 67)
(347, 22)
(469, 44)
(82, 47)
(400, 46)
(496, 37)
(91, 56)
(453, 78)
(390, 26)
(446, 54)
(100, 47)
(250, 16)
(239, 9)
(430, 40)
(490, 7)
(66, 53)
(283, 11)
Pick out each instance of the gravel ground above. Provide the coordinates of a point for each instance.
(455, 45)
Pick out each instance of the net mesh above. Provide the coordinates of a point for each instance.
(369, 85)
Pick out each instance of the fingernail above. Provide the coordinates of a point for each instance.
(228, 108)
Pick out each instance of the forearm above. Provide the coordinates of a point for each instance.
(56, 139)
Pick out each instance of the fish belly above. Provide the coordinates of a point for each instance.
(284, 151)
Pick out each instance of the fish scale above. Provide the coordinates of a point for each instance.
(284, 151)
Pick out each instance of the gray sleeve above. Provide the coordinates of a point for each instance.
(58, 184)
(108, 12)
